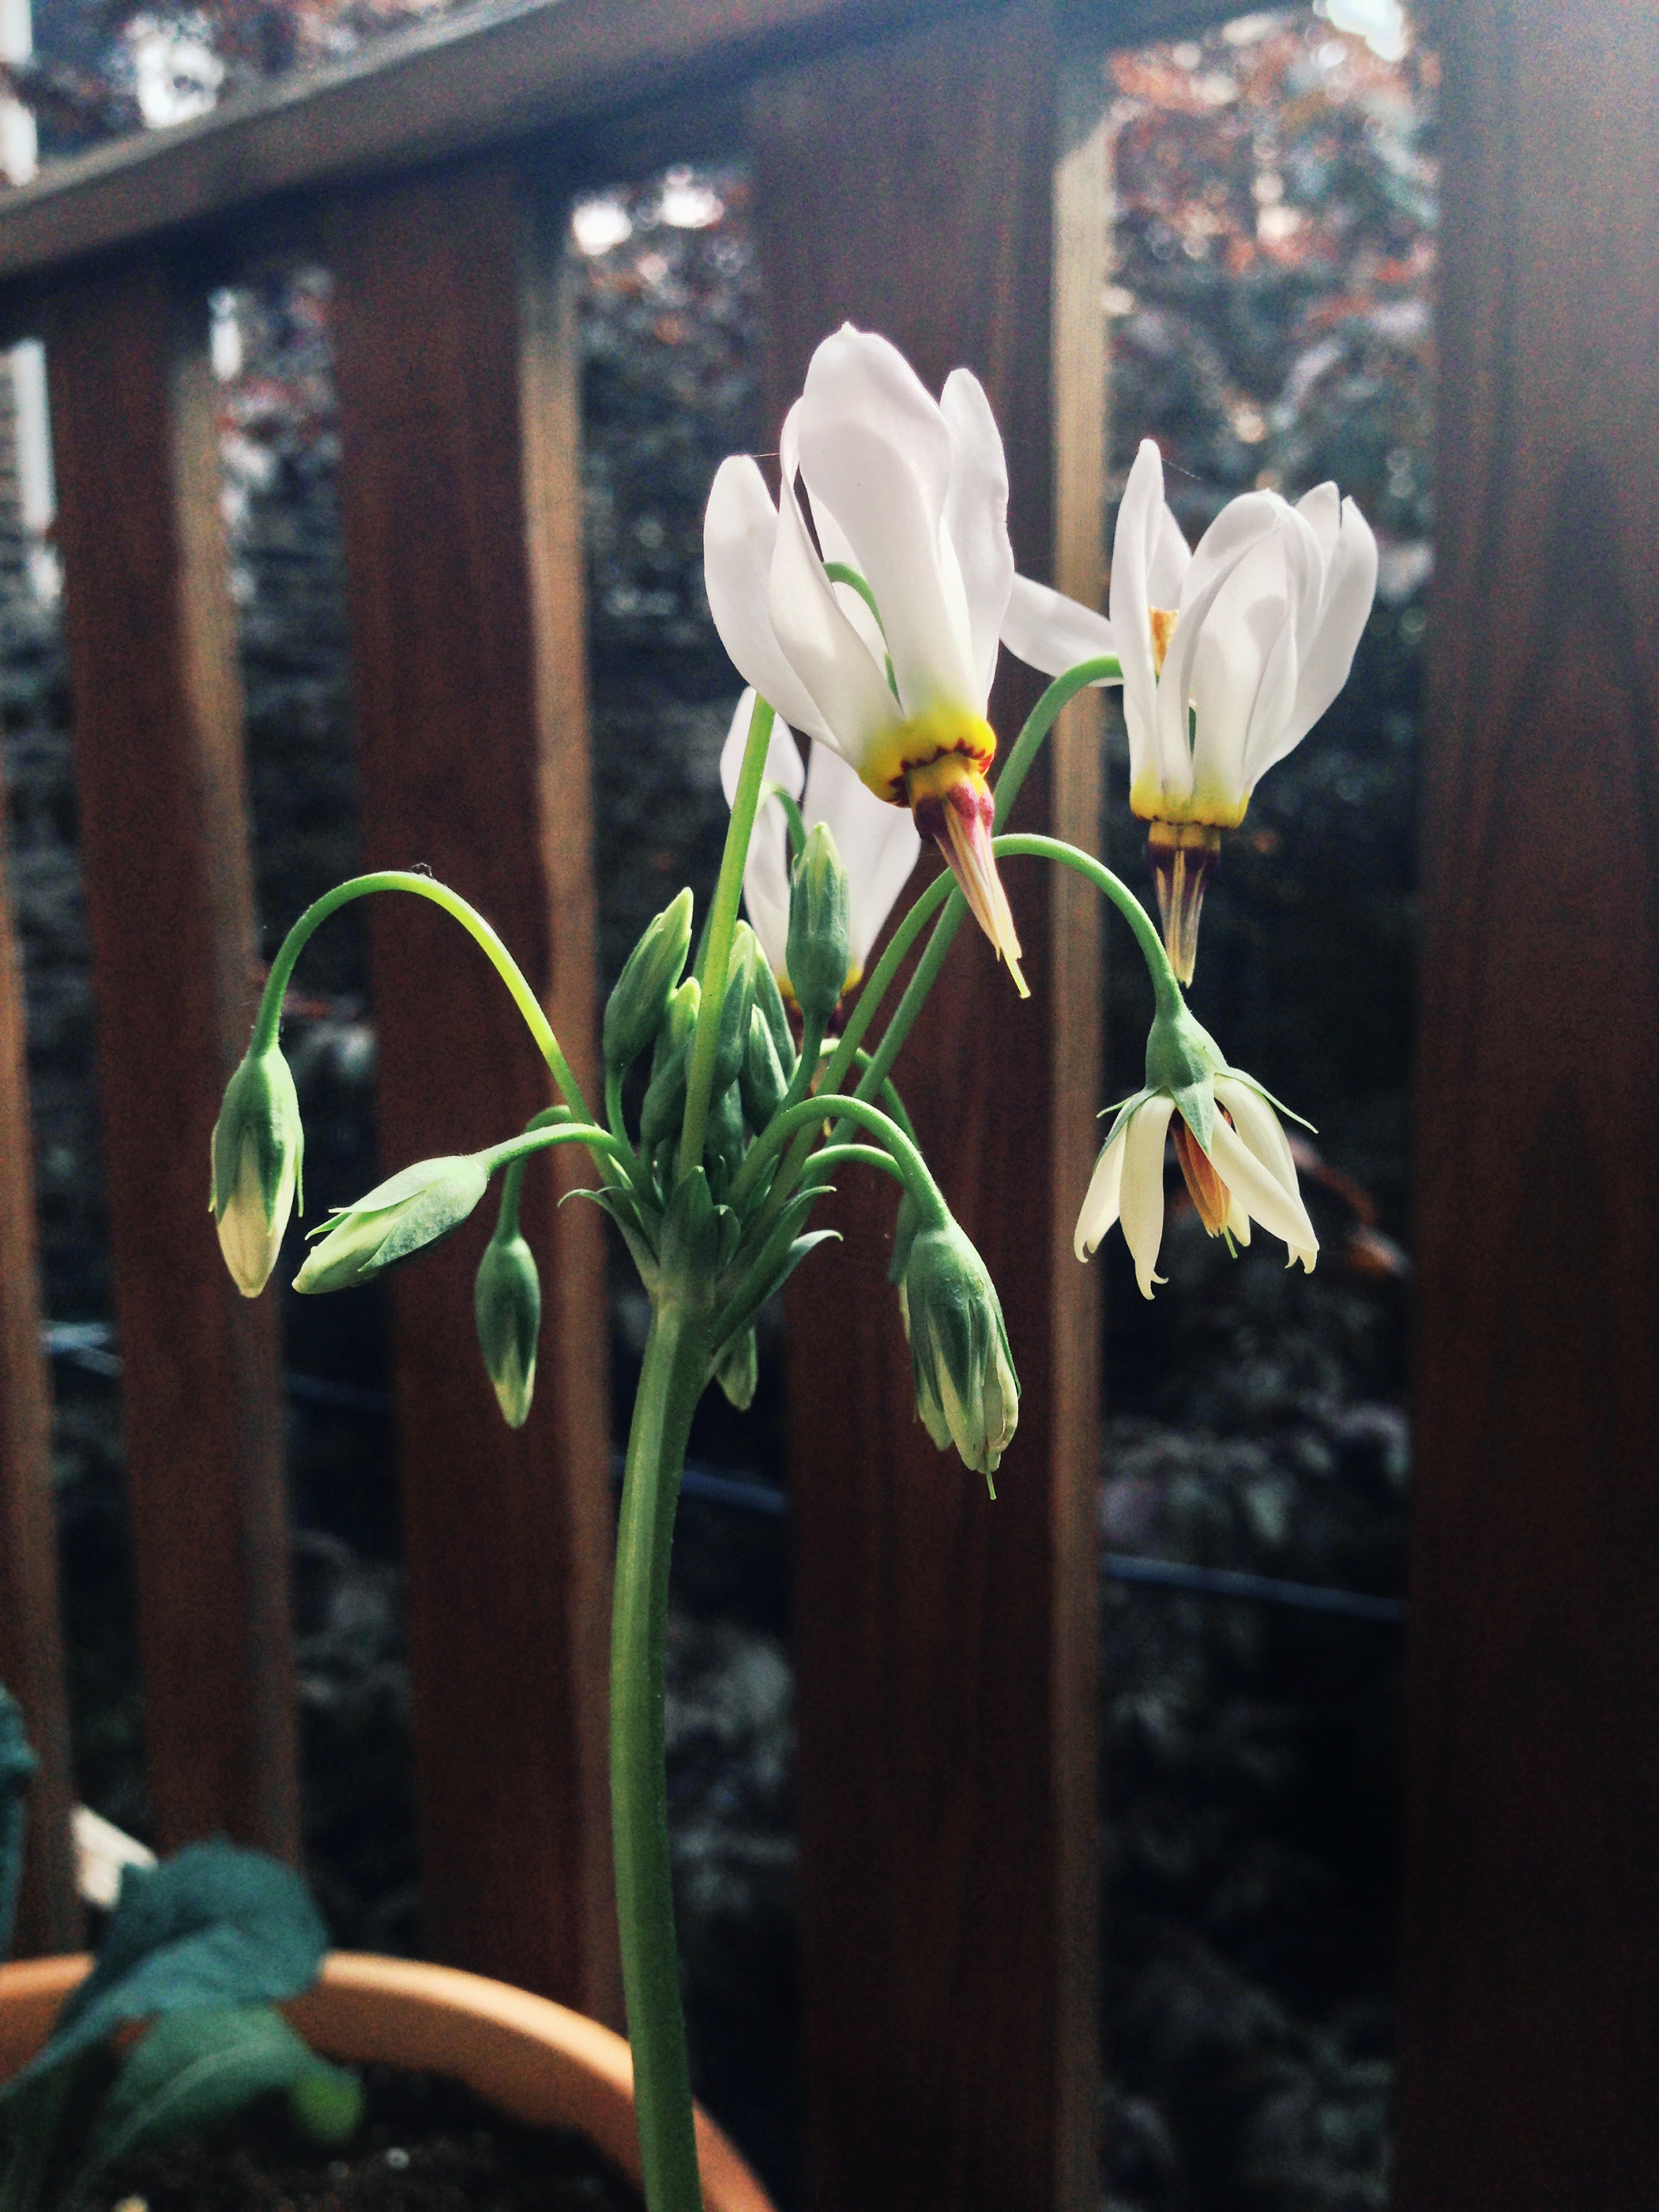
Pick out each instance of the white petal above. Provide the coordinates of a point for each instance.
(1141, 1192)
(1280, 1210)
(854, 707)
(1243, 646)
(1322, 510)
(1175, 688)
(976, 516)
(1166, 571)
(1134, 541)
(1237, 527)
(878, 843)
(1259, 1126)
(1099, 1208)
(739, 533)
(1048, 631)
(875, 448)
(1350, 588)
(766, 870)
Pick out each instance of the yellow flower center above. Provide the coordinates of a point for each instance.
(893, 767)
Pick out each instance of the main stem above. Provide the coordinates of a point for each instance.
(671, 1380)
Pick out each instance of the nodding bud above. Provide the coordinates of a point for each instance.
(399, 1217)
(507, 1306)
(967, 1391)
(634, 1011)
(820, 942)
(257, 1149)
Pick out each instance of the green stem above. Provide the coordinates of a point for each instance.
(1165, 987)
(903, 1147)
(869, 1156)
(722, 926)
(541, 1140)
(676, 1367)
(427, 887)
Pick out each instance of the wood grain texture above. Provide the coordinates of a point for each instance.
(462, 505)
(164, 851)
(31, 1641)
(1531, 2024)
(946, 1644)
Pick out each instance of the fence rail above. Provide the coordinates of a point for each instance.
(934, 169)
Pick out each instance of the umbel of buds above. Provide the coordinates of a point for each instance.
(507, 1306)
(400, 1216)
(967, 1391)
(258, 1145)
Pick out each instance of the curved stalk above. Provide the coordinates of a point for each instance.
(676, 1367)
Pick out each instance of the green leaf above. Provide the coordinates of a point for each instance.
(211, 1926)
(192, 2068)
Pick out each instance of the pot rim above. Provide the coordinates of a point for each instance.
(536, 2061)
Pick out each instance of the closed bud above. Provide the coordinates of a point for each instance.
(768, 1002)
(506, 1305)
(663, 1107)
(722, 1146)
(737, 1371)
(400, 1217)
(635, 1010)
(733, 1040)
(762, 1082)
(257, 1147)
(967, 1392)
(820, 942)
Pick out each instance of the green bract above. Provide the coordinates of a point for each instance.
(258, 1149)
(507, 1306)
(820, 942)
(967, 1391)
(635, 1007)
(411, 1210)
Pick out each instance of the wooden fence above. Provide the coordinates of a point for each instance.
(933, 168)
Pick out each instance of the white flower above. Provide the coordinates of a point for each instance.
(908, 497)
(878, 842)
(1247, 1174)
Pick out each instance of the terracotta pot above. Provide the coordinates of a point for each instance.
(532, 2059)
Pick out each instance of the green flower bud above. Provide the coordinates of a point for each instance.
(967, 1392)
(906, 1224)
(399, 1217)
(737, 1371)
(820, 941)
(723, 1142)
(507, 1306)
(735, 1007)
(258, 1148)
(678, 1023)
(769, 1000)
(635, 1010)
(762, 1082)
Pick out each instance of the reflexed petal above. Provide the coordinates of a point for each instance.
(1048, 631)
(1280, 1210)
(765, 870)
(878, 843)
(1350, 588)
(1174, 746)
(1099, 1208)
(976, 517)
(875, 448)
(739, 533)
(856, 708)
(1243, 669)
(1322, 510)
(1259, 1126)
(1134, 542)
(1238, 526)
(1141, 1191)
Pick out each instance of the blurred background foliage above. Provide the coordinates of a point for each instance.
(1269, 324)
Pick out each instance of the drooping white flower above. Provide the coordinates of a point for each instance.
(880, 640)
(1246, 1174)
(1230, 652)
(878, 843)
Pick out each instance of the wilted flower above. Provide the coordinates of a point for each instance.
(399, 1216)
(258, 1144)
(886, 654)
(1230, 653)
(1245, 1174)
(878, 842)
(967, 1391)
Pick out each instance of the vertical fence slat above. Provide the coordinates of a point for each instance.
(31, 1644)
(1531, 1984)
(947, 1645)
(164, 847)
(462, 497)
